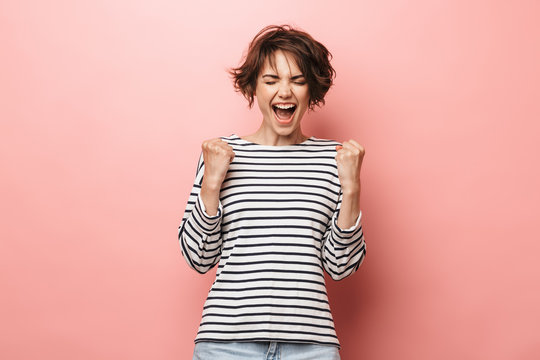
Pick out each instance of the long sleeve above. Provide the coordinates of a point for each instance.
(343, 250)
(199, 234)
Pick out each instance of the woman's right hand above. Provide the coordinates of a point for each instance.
(217, 156)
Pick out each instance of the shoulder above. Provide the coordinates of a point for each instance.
(322, 142)
(319, 144)
(232, 139)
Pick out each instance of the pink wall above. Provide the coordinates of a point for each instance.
(104, 104)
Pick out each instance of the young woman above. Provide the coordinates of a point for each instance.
(275, 209)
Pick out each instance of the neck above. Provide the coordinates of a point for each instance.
(265, 137)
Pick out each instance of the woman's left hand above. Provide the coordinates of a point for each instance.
(349, 159)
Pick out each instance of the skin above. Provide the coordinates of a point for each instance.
(283, 86)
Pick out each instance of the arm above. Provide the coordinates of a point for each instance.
(344, 247)
(199, 233)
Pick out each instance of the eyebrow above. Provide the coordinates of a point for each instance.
(277, 77)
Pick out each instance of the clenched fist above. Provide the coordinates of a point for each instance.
(349, 161)
(217, 156)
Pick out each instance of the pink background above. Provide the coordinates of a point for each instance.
(104, 104)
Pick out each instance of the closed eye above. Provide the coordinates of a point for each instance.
(296, 82)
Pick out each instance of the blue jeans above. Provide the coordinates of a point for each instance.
(213, 350)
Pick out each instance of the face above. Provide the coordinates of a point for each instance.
(283, 96)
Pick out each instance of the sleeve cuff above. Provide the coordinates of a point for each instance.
(205, 214)
(349, 232)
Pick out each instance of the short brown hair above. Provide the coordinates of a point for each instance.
(312, 57)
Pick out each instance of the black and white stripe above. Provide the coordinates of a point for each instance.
(275, 231)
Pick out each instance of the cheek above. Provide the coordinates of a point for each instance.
(263, 105)
(262, 108)
(305, 95)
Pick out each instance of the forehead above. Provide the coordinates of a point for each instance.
(280, 62)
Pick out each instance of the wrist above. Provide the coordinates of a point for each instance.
(350, 189)
(210, 200)
(210, 185)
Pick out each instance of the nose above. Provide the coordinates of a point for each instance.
(284, 90)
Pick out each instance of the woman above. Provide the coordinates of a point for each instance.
(275, 209)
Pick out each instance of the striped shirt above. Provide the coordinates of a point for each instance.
(273, 237)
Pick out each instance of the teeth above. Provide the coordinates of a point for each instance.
(288, 106)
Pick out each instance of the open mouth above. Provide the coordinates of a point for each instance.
(284, 113)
